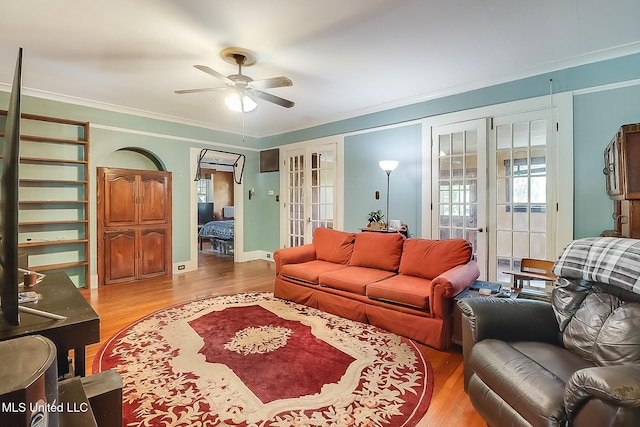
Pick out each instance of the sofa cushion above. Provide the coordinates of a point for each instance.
(402, 289)
(310, 271)
(377, 250)
(605, 330)
(429, 258)
(333, 245)
(353, 279)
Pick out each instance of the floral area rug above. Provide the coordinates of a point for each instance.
(255, 360)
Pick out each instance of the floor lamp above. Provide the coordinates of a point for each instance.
(388, 166)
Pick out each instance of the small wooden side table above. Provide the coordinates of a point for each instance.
(404, 230)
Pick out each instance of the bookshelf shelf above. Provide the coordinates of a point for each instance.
(51, 242)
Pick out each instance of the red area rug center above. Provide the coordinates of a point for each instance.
(252, 359)
(248, 339)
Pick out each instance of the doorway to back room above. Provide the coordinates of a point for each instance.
(216, 210)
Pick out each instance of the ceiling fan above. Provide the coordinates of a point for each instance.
(242, 85)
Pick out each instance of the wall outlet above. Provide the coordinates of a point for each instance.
(269, 255)
(181, 267)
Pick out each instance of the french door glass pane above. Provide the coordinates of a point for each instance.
(296, 200)
(521, 186)
(458, 186)
(310, 184)
(322, 173)
(538, 132)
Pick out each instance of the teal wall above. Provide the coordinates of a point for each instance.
(263, 232)
(363, 177)
(597, 115)
(601, 73)
(157, 137)
(104, 142)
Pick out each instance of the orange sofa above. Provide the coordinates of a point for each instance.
(405, 286)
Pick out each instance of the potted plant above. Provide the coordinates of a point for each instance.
(374, 218)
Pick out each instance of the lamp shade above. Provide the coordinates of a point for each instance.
(388, 165)
(247, 104)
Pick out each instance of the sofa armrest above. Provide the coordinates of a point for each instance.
(449, 284)
(509, 319)
(617, 385)
(293, 255)
(457, 279)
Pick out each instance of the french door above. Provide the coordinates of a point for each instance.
(523, 199)
(492, 186)
(310, 189)
(459, 186)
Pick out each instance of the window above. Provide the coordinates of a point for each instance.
(205, 189)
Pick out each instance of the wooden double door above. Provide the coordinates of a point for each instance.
(134, 225)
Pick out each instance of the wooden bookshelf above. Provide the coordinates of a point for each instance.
(54, 195)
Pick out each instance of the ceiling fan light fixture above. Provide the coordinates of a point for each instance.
(244, 104)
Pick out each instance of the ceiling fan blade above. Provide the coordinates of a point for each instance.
(205, 89)
(272, 98)
(281, 81)
(214, 73)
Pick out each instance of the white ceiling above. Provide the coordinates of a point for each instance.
(345, 57)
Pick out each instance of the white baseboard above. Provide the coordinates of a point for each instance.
(93, 281)
(184, 266)
(192, 265)
(254, 255)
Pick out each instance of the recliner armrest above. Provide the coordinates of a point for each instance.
(509, 319)
(618, 385)
(506, 320)
(294, 255)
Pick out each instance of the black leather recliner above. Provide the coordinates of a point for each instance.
(572, 362)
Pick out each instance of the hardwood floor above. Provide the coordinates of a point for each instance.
(122, 304)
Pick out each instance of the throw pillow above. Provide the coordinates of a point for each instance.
(333, 245)
(377, 250)
(430, 258)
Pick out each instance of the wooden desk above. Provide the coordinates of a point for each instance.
(81, 327)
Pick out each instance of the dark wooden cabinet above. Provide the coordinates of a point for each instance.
(138, 198)
(622, 164)
(134, 225)
(622, 171)
(119, 253)
(628, 218)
